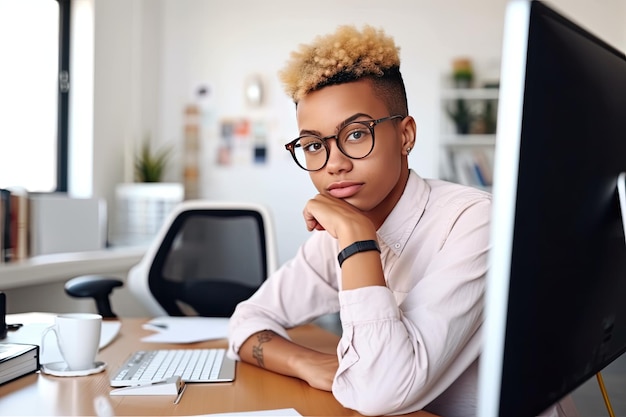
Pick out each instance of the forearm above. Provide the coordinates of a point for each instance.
(268, 350)
(361, 270)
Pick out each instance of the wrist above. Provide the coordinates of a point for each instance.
(357, 247)
(300, 362)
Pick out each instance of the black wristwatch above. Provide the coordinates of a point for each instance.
(356, 247)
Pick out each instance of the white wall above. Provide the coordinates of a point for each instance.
(150, 54)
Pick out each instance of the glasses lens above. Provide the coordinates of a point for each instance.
(356, 140)
(310, 153)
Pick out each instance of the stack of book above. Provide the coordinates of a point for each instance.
(17, 360)
(34, 224)
(13, 225)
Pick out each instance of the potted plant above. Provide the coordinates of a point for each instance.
(462, 72)
(150, 165)
(459, 111)
(461, 115)
(143, 205)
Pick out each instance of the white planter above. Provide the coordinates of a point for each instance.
(142, 208)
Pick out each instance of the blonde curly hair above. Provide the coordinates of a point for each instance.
(344, 56)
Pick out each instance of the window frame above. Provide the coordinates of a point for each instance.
(63, 96)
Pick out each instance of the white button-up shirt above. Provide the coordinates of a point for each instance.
(413, 344)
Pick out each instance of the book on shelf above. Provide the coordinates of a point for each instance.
(473, 167)
(17, 360)
(5, 225)
(1, 227)
(19, 224)
(14, 224)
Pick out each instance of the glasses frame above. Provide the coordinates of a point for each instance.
(370, 124)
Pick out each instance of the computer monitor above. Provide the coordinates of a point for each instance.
(556, 289)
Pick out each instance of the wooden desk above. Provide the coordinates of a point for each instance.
(253, 389)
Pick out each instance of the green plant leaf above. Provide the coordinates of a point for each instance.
(150, 165)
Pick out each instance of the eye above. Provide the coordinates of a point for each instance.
(311, 145)
(355, 133)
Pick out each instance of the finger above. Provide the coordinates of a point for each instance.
(309, 218)
(313, 224)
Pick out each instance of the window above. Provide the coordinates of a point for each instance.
(34, 43)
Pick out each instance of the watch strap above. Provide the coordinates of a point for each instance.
(356, 247)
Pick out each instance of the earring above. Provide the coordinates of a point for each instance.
(408, 150)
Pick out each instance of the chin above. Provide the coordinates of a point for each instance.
(358, 204)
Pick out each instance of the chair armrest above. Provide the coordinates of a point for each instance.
(96, 287)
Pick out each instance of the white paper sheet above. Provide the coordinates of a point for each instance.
(277, 412)
(186, 329)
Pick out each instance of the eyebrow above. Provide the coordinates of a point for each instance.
(339, 126)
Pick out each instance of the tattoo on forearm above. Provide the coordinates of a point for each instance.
(257, 351)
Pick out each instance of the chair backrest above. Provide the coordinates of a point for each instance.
(207, 257)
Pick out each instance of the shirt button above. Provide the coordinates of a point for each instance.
(397, 246)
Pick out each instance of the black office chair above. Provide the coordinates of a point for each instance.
(207, 257)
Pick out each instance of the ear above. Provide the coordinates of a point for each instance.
(408, 130)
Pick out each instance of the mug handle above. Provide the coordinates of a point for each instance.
(43, 337)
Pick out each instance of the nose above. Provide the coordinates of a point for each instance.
(337, 161)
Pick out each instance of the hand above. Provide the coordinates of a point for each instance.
(318, 370)
(342, 220)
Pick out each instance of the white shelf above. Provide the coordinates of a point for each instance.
(470, 94)
(60, 267)
(453, 140)
(467, 158)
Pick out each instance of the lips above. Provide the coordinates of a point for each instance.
(344, 189)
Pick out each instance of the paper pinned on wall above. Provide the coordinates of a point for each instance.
(186, 329)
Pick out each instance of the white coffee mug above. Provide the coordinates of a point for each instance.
(78, 337)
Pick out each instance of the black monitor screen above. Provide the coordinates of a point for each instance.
(556, 294)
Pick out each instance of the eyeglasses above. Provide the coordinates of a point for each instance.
(355, 140)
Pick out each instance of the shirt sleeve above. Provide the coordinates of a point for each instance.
(398, 357)
(302, 290)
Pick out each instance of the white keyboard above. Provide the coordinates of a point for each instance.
(192, 365)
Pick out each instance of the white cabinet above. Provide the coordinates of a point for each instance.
(467, 135)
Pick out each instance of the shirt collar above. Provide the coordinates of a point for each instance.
(399, 225)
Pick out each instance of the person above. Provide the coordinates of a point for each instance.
(409, 286)
(403, 259)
